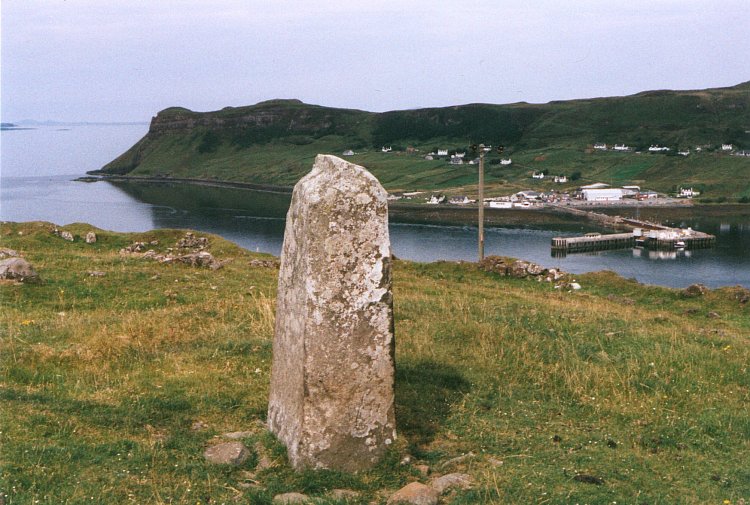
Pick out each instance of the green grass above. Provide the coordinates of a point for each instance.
(102, 378)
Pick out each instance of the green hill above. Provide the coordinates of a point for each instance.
(274, 142)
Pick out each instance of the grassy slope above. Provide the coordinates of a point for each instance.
(103, 377)
(558, 132)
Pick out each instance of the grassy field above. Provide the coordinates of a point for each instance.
(617, 393)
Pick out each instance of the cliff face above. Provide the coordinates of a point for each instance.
(281, 116)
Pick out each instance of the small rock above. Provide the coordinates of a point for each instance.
(344, 494)
(91, 237)
(200, 259)
(457, 459)
(7, 253)
(283, 499)
(229, 453)
(406, 460)
(199, 426)
(236, 435)
(95, 273)
(574, 286)
(451, 481)
(518, 269)
(66, 235)
(713, 315)
(18, 269)
(534, 269)
(588, 479)
(415, 494)
(496, 462)
(424, 470)
(695, 290)
(495, 264)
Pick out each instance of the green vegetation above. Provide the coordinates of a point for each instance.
(275, 143)
(619, 392)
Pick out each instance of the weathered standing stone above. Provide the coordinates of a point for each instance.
(91, 237)
(331, 399)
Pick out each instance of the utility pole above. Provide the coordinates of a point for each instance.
(481, 202)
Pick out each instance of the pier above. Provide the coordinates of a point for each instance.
(643, 234)
(593, 242)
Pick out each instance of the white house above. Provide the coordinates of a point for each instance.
(684, 153)
(459, 200)
(442, 152)
(460, 155)
(348, 152)
(727, 147)
(456, 160)
(621, 147)
(504, 161)
(657, 149)
(561, 179)
(600, 147)
(527, 195)
(436, 199)
(387, 149)
(539, 175)
(688, 193)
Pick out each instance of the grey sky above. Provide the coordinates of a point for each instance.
(124, 60)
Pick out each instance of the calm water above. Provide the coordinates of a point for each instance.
(36, 184)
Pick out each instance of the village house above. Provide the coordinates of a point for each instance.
(657, 149)
(688, 193)
(505, 161)
(539, 175)
(429, 157)
(684, 153)
(442, 152)
(600, 147)
(621, 147)
(727, 147)
(459, 200)
(348, 152)
(561, 179)
(527, 195)
(456, 160)
(436, 199)
(386, 149)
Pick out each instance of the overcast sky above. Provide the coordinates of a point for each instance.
(124, 60)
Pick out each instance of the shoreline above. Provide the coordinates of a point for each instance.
(417, 213)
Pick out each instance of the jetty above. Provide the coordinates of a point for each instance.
(642, 234)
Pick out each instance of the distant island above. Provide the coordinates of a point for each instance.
(692, 142)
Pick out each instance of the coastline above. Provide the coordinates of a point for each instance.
(416, 213)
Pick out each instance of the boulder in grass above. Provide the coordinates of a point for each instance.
(18, 269)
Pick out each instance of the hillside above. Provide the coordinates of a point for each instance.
(118, 371)
(274, 142)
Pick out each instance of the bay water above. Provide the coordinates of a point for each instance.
(38, 167)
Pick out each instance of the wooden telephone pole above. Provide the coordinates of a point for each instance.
(480, 148)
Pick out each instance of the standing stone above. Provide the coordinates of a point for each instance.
(91, 237)
(331, 399)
